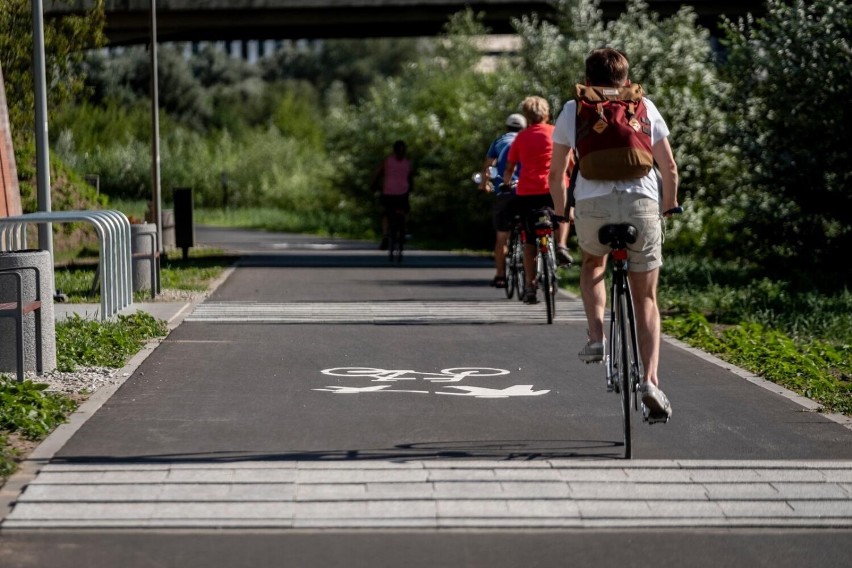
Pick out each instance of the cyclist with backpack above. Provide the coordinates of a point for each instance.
(504, 212)
(618, 135)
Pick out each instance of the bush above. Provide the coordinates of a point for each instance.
(791, 86)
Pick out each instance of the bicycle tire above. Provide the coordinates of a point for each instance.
(396, 237)
(635, 368)
(511, 269)
(624, 375)
(547, 285)
(518, 260)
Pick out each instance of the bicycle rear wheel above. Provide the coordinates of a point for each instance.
(518, 267)
(511, 269)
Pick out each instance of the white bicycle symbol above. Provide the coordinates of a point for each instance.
(451, 375)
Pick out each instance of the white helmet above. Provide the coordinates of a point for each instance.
(516, 120)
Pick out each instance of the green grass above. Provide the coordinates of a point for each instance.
(93, 343)
(322, 222)
(195, 273)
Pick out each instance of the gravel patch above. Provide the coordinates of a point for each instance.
(83, 381)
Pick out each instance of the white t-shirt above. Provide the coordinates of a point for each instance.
(564, 133)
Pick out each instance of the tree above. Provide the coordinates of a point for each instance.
(65, 40)
(791, 77)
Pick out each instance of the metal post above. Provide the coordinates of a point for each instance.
(155, 130)
(45, 232)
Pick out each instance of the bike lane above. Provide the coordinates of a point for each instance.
(322, 389)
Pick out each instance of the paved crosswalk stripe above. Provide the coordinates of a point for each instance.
(391, 312)
(438, 494)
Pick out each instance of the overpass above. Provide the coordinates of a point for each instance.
(128, 21)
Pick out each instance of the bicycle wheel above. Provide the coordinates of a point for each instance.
(635, 361)
(548, 277)
(511, 269)
(518, 263)
(622, 354)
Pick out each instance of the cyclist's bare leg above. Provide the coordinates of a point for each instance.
(500, 253)
(643, 287)
(593, 291)
(529, 264)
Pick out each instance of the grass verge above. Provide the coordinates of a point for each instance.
(793, 335)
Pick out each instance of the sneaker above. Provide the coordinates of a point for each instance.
(655, 401)
(563, 257)
(592, 352)
(530, 295)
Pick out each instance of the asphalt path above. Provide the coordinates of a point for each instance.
(320, 351)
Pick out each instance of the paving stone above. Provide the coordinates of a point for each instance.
(534, 490)
(331, 492)
(756, 508)
(743, 491)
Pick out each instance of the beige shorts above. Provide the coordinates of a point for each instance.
(590, 215)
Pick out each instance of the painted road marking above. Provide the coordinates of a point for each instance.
(450, 375)
(390, 312)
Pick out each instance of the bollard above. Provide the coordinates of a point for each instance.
(142, 244)
(42, 260)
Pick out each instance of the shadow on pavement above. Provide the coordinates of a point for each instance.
(498, 450)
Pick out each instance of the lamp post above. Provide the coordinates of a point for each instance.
(45, 231)
(155, 133)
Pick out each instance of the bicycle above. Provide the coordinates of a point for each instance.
(623, 365)
(546, 260)
(515, 274)
(396, 233)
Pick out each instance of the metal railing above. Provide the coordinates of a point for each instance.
(113, 230)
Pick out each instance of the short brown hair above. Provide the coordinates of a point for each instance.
(607, 67)
(535, 109)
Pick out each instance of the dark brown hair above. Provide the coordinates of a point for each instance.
(607, 67)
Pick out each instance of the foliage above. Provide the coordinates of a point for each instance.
(103, 344)
(28, 409)
(729, 292)
(791, 73)
(350, 65)
(438, 105)
(815, 369)
(65, 39)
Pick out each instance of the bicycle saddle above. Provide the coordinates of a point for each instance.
(618, 236)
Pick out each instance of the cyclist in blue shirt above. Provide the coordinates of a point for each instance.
(504, 213)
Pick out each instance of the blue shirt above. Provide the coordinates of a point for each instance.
(499, 150)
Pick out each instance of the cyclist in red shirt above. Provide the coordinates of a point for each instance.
(532, 147)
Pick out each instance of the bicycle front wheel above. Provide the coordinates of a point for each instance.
(549, 284)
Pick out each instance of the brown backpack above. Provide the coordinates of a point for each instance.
(613, 133)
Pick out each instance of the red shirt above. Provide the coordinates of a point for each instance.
(532, 149)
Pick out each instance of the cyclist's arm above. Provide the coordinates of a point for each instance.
(483, 185)
(558, 165)
(509, 171)
(662, 151)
